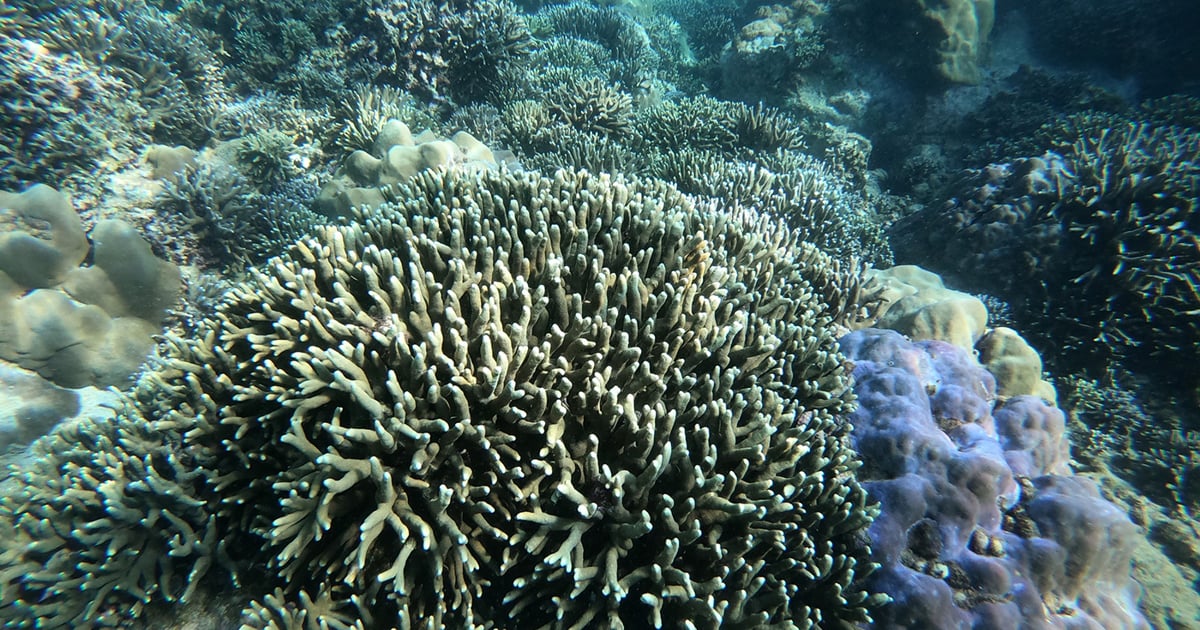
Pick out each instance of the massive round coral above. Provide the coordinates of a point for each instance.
(507, 400)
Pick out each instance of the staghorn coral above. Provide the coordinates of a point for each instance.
(203, 214)
(579, 150)
(104, 519)
(592, 106)
(276, 611)
(631, 58)
(705, 123)
(178, 79)
(801, 190)
(738, 153)
(264, 39)
(708, 25)
(208, 214)
(269, 157)
(445, 51)
(516, 400)
(701, 123)
(1095, 247)
(1133, 221)
(164, 66)
(267, 111)
(560, 59)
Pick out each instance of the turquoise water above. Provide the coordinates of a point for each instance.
(667, 313)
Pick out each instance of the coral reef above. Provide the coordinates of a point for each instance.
(416, 380)
(265, 40)
(86, 84)
(445, 52)
(1095, 247)
(58, 115)
(563, 401)
(105, 519)
(77, 325)
(981, 521)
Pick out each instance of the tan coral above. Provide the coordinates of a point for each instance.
(1015, 364)
(93, 325)
(41, 238)
(397, 157)
(966, 25)
(918, 304)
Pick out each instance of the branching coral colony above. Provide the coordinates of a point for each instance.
(561, 401)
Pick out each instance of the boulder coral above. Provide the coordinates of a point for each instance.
(396, 156)
(965, 26)
(77, 325)
(982, 523)
(510, 400)
(940, 40)
(916, 303)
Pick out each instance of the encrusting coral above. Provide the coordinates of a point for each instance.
(509, 399)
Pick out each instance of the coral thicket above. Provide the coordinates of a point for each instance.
(562, 401)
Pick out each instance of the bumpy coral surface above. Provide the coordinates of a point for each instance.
(512, 400)
(396, 156)
(982, 523)
(75, 325)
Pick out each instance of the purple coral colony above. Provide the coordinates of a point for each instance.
(391, 314)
